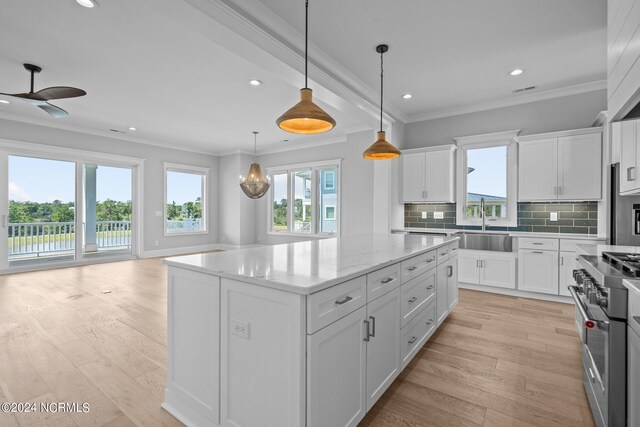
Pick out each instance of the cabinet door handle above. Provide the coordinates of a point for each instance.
(413, 299)
(412, 268)
(477, 263)
(430, 260)
(636, 318)
(561, 260)
(366, 330)
(537, 252)
(593, 377)
(412, 340)
(429, 287)
(450, 268)
(373, 326)
(443, 253)
(430, 321)
(343, 300)
(560, 190)
(555, 191)
(387, 280)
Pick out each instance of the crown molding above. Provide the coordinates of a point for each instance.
(507, 135)
(509, 102)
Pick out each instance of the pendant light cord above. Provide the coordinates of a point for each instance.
(255, 144)
(381, 86)
(306, 40)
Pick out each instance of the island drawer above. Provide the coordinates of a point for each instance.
(453, 248)
(413, 267)
(443, 253)
(538, 243)
(329, 305)
(569, 245)
(417, 294)
(382, 281)
(417, 332)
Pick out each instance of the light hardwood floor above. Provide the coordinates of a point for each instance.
(497, 361)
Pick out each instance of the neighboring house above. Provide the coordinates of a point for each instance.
(495, 206)
(328, 200)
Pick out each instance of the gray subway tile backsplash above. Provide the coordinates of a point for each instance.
(578, 217)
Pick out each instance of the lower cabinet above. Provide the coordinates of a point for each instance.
(538, 271)
(336, 372)
(383, 341)
(446, 288)
(633, 377)
(568, 263)
(487, 268)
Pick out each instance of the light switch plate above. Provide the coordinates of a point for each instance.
(438, 215)
(240, 328)
(424, 215)
(553, 216)
(158, 213)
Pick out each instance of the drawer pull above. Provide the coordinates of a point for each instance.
(430, 260)
(429, 287)
(636, 318)
(443, 253)
(412, 340)
(538, 252)
(454, 249)
(536, 243)
(413, 299)
(430, 321)
(412, 268)
(344, 300)
(387, 280)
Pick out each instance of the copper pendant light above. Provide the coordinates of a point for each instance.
(254, 185)
(381, 149)
(306, 117)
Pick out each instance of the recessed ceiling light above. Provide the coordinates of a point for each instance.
(132, 128)
(255, 82)
(407, 96)
(87, 3)
(516, 72)
(4, 101)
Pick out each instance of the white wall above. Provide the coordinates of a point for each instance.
(237, 212)
(152, 181)
(569, 112)
(357, 185)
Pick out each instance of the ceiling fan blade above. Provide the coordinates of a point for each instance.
(53, 111)
(57, 92)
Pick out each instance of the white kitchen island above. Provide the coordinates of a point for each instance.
(301, 334)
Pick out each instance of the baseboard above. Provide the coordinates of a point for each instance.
(193, 249)
(516, 293)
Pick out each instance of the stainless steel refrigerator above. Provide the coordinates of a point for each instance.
(624, 225)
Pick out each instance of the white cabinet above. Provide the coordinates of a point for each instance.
(428, 176)
(538, 271)
(336, 372)
(627, 132)
(487, 268)
(568, 263)
(560, 166)
(383, 357)
(633, 377)
(446, 288)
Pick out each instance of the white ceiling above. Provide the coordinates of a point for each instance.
(453, 53)
(179, 72)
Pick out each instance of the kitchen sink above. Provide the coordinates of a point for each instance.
(485, 241)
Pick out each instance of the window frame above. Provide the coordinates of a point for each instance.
(498, 139)
(325, 216)
(204, 200)
(290, 171)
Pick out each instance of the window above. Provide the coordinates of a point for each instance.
(185, 199)
(487, 171)
(304, 198)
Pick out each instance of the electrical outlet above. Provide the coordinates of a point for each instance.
(240, 328)
(438, 215)
(158, 213)
(157, 243)
(553, 216)
(424, 215)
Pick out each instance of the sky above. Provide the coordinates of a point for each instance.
(490, 174)
(183, 187)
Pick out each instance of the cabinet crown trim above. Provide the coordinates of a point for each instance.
(488, 137)
(445, 147)
(560, 134)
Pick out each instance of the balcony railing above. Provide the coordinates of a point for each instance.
(58, 238)
(188, 225)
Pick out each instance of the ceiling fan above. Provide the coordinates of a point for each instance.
(42, 97)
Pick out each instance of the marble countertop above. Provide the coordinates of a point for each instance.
(310, 266)
(450, 231)
(632, 285)
(598, 249)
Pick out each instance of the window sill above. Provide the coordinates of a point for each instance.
(185, 233)
(313, 236)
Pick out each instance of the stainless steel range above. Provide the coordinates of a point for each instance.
(601, 318)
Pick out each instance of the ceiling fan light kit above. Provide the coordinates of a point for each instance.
(40, 98)
(381, 149)
(254, 184)
(306, 117)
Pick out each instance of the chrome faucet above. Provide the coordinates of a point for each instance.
(482, 212)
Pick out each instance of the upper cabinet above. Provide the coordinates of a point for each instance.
(625, 136)
(623, 51)
(428, 175)
(560, 166)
